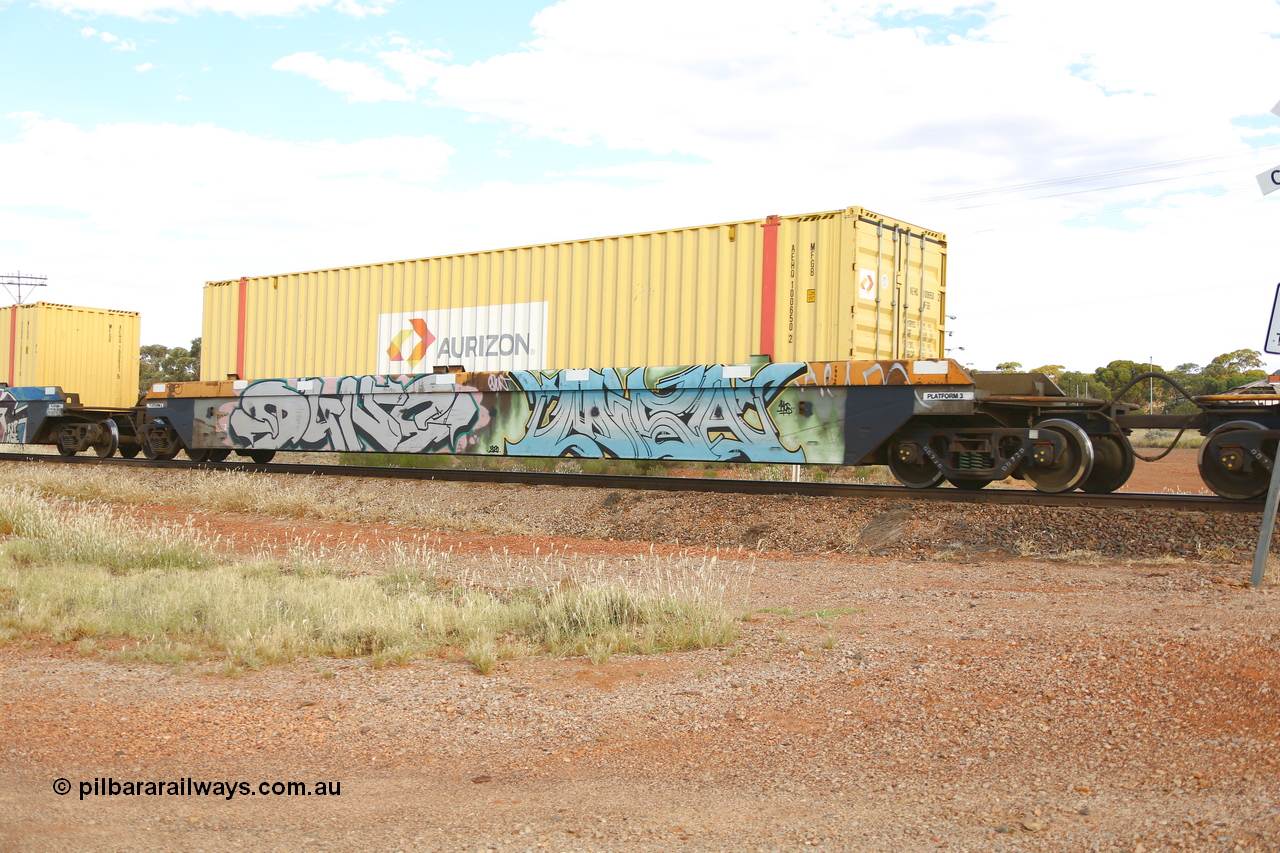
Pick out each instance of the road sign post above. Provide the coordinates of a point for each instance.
(1268, 525)
(1268, 521)
(1269, 182)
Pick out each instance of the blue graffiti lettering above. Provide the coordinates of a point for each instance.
(695, 413)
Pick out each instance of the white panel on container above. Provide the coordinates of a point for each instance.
(485, 337)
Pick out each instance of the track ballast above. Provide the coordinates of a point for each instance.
(1012, 497)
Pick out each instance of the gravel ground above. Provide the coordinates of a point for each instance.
(904, 681)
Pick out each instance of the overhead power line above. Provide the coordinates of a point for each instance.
(14, 283)
(1106, 175)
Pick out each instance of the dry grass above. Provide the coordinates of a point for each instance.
(81, 577)
(232, 491)
(1164, 438)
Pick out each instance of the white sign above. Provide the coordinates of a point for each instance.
(867, 284)
(485, 337)
(1273, 331)
(1276, 108)
(1269, 181)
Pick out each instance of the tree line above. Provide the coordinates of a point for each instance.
(1226, 371)
(157, 363)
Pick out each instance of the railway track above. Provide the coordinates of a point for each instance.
(1012, 497)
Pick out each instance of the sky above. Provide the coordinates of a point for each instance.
(1093, 166)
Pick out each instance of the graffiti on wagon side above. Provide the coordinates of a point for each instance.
(353, 413)
(13, 418)
(694, 413)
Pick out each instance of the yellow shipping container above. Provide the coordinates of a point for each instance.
(92, 352)
(833, 286)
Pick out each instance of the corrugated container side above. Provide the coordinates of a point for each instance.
(92, 352)
(695, 295)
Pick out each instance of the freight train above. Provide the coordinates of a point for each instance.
(929, 421)
(812, 339)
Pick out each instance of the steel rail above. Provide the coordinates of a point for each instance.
(1008, 497)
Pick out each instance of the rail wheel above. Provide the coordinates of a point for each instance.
(262, 457)
(1223, 467)
(63, 450)
(151, 453)
(969, 484)
(128, 451)
(1071, 468)
(915, 471)
(106, 446)
(157, 445)
(208, 455)
(1112, 464)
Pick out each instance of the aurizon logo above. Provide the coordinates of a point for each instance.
(396, 352)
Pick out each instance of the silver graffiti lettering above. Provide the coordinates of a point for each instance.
(355, 413)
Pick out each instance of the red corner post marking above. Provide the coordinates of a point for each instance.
(13, 342)
(244, 291)
(769, 284)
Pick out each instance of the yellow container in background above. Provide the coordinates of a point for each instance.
(833, 286)
(92, 352)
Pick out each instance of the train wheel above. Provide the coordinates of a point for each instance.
(1070, 469)
(921, 474)
(168, 450)
(1221, 465)
(969, 484)
(108, 445)
(128, 451)
(208, 455)
(1112, 464)
(262, 457)
(65, 451)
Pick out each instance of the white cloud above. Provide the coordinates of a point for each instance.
(110, 38)
(672, 76)
(417, 68)
(152, 9)
(144, 67)
(362, 82)
(359, 82)
(359, 10)
(770, 108)
(192, 203)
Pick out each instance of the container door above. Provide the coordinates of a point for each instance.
(875, 267)
(898, 271)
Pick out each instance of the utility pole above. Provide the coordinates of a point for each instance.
(14, 283)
